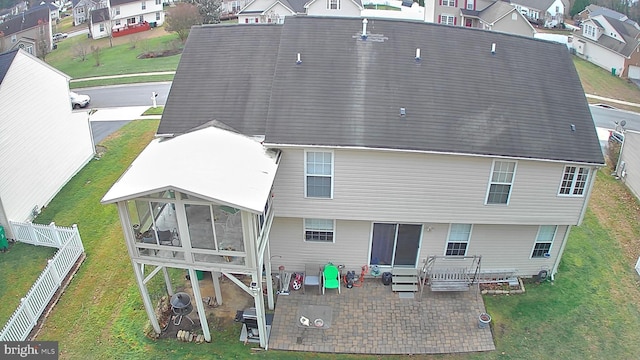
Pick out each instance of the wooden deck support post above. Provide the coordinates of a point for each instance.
(197, 298)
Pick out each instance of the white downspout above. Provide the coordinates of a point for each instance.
(562, 246)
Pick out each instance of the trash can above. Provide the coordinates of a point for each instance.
(613, 71)
(4, 244)
(200, 274)
(386, 278)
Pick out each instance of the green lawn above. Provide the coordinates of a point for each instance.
(119, 59)
(598, 81)
(590, 311)
(19, 269)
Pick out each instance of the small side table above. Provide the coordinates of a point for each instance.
(318, 317)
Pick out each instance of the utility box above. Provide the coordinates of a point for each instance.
(4, 244)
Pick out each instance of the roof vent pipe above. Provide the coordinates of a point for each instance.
(417, 54)
(493, 48)
(299, 61)
(364, 29)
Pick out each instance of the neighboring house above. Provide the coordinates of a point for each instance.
(498, 16)
(43, 146)
(549, 13)
(54, 8)
(15, 10)
(82, 9)
(488, 15)
(334, 144)
(628, 165)
(122, 17)
(610, 43)
(274, 11)
(593, 10)
(30, 31)
(230, 8)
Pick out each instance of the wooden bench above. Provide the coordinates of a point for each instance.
(456, 279)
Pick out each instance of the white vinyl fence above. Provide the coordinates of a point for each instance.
(638, 266)
(70, 249)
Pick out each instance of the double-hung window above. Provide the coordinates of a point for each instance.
(144, 5)
(449, 2)
(458, 240)
(447, 19)
(502, 175)
(544, 240)
(319, 174)
(574, 181)
(320, 230)
(333, 4)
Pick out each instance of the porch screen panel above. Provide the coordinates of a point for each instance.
(382, 244)
(407, 244)
(199, 221)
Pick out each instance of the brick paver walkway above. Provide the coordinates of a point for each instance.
(374, 320)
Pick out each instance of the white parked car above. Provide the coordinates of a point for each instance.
(59, 36)
(78, 100)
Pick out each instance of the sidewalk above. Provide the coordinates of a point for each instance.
(124, 76)
(613, 100)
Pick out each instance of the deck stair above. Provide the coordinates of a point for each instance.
(404, 279)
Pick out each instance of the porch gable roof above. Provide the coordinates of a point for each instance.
(211, 163)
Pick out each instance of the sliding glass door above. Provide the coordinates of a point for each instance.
(395, 244)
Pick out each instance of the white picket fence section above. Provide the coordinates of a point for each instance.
(35, 302)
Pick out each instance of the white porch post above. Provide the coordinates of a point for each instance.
(215, 277)
(260, 312)
(269, 279)
(195, 286)
(167, 280)
(250, 240)
(129, 236)
(148, 306)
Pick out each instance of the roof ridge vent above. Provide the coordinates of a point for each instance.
(493, 49)
(364, 29)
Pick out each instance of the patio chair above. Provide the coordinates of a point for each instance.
(312, 276)
(330, 278)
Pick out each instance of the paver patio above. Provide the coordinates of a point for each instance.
(374, 320)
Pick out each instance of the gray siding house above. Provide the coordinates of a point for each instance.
(379, 144)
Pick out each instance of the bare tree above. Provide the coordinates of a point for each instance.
(80, 50)
(181, 18)
(43, 45)
(210, 10)
(97, 54)
(1, 42)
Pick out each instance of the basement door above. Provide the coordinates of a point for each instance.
(395, 244)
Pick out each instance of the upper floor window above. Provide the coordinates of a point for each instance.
(544, 240)
(458, 239)
(158, 2)
(333, 4)
(319, 174)
(589, 30)
(448, 2)
(144, 5)
(502, 174)
(447, 19)
(470, 4)
(574, 181)
(101, 27)
(321, 230)
(117, 11)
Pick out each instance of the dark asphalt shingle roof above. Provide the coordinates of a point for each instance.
(348, 92)
(100, 15)
(25, 20)
(5, 62)
(534, 4)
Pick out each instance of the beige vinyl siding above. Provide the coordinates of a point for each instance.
(350, 248)
(631, 156)
(43, 144)
(520, 26)
(375, 185)
(502, 246)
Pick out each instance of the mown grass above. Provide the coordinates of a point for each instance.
(590, 312)
(116, 60)
(157, 111)
(598, 81)
(120, 81)
(19, 269)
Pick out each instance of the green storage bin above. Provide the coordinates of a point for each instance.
(200, 274)
(4, 244)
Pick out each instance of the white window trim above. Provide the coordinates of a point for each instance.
(304, 232)
(490, 182)
(446, 244)
(449, 3)
(448, 16)
(333, 163)
(573, 181)
(553, 239)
